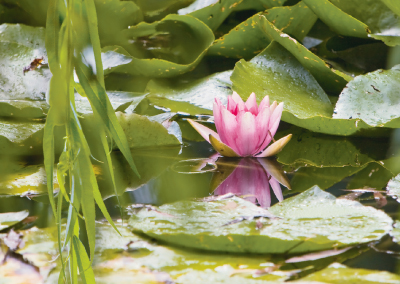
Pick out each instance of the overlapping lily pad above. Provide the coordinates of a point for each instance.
(196, 97)
(393, 187)
(167, 48)
(374, 98)
(359, 18)
(22, 93)
(247, 39)
(313, 220)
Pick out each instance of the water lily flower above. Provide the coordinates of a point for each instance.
(250, 178)
(244, 128)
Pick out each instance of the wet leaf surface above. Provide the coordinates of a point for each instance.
(337, 273)
(393, 187)
(200, 225)
(10, 219)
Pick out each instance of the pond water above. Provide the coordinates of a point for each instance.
(194, 170)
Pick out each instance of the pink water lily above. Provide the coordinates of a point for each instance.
(244, 128)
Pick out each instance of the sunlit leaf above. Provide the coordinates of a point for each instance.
(311, 221)
(155, 54)
(393, 188)
(373, 97)
(337, 273)
(10, 219)
(247, 39)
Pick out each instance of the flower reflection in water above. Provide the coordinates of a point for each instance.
(250, 178)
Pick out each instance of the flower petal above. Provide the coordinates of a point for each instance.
(262, 127)
(274, 169)
(264, 103)
(275, 119)
(246, 141)
(275, 147)
(232, 105)
(276, 187)
(218, 120)
(230, 129)
(251, 104)
(203, 130)
(239, 101)
(222, 148)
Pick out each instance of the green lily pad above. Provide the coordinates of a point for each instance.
(305, 177)
(22, 93)
(375, 175)
(195, 97)
(216, 12)
(24, 180)
(330, 79)
(393, 188)
(154, 10)
(306, 104)
(313, 220)
(396, 232)
(21, 138)
(166, 48)
(143, 132)
(248, 39)
(120, 101)
(10, 219)
(373, 97)
(337, 273)
(319, 150)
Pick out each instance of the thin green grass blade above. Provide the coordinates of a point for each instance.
(52, 32)
(59, 211)
(102, 105)
(48, 152)
(85, 269)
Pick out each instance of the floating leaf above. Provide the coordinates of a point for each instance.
(155, 54)
(247, 38)
(393, 188)
(373, 97)
(337, 273)
(372, 176)
(311, 221)
(22, 94)
(194, 97)
(10, 219)
(142, 132)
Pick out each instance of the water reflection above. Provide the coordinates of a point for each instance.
(250, 178)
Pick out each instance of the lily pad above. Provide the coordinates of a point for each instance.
(373, 97)
(338, 273)
(248, 39)
(319, 150)
(375, 175)
(393, 188)
(142, 132)
(162, 49)
(214, 13)
(311, 221)
(22, 93)
(195, 97)
(272, 76)
(10, 219)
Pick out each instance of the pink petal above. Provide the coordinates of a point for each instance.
(273, 106)
(246, 134)
(276, 187)
(203, 131)
(251, 104)
(262, 123)
(275, 119)
(219, 122)
(264, 103)
(239, 101)
(232, 105)
(230, 126)
(263, 192)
